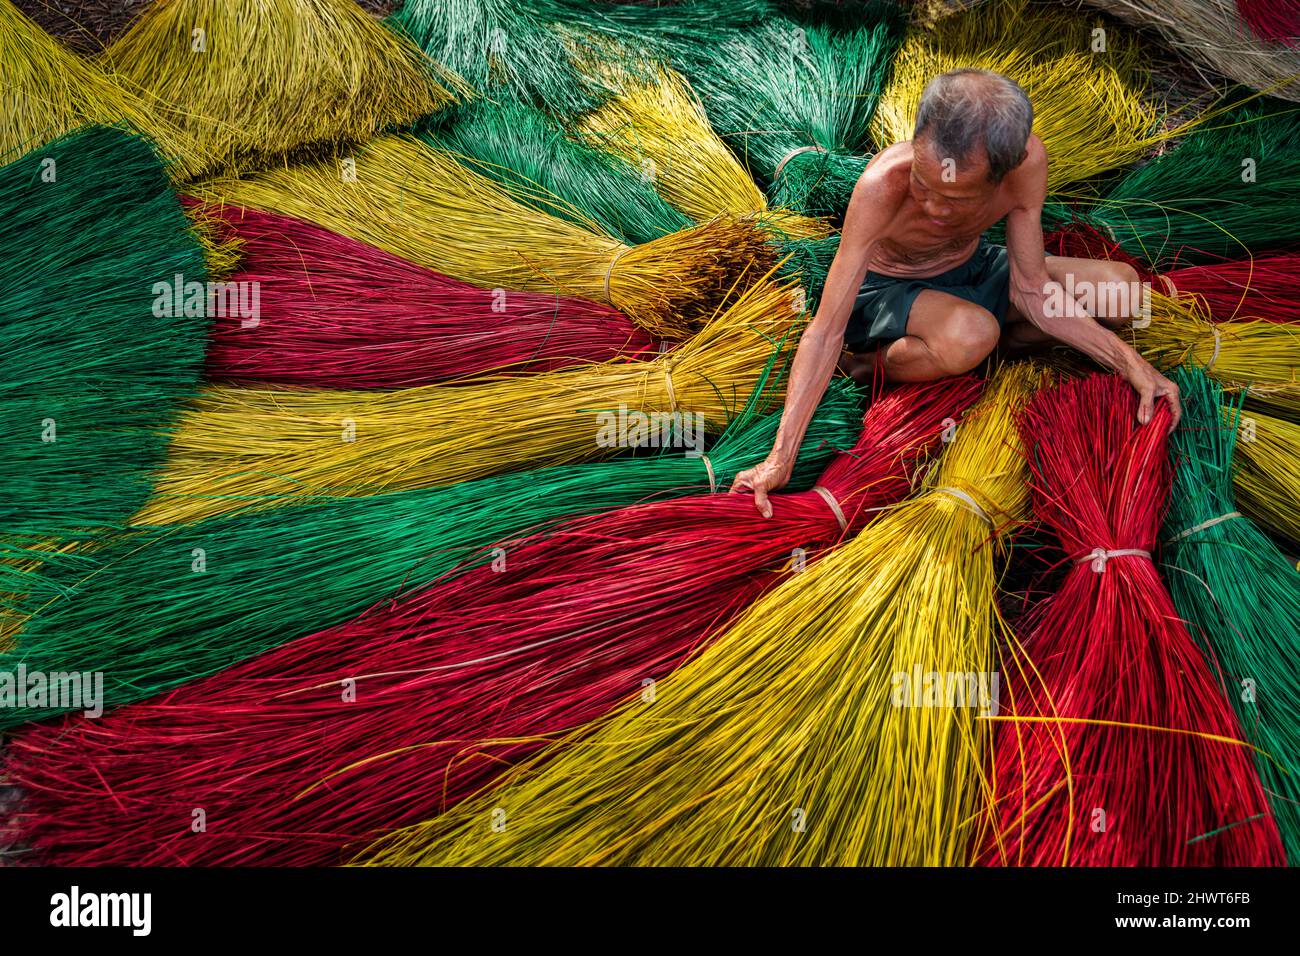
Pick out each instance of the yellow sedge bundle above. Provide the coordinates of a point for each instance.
(421, 204)
(1267, 480)
(254, 79)
(1256, 355)
(786, 741)
(238, 447)
(1211, 33)
(660, 127)
(47, 91)
(1088, 107)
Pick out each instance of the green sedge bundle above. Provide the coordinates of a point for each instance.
(254, 79)
(1239, 594)
(785, 741)
(96, 359)
(159, 606)
(419, 203)
(1225, 191)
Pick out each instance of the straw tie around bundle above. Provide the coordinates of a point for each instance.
(419, 203)
(778, 744)
(49, 91)
(454, 683)
(1088, 105)
(331, 311)
(1118, 748)
(1239, 594)
(251, 80)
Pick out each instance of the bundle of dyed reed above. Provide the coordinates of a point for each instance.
(1210, 34)
(503, 48)
(94, 257)
(1259, 356)
(331, 311)
(1088, 105)
(1119, 749)
(531, 157)
(793, 101)
(660, 127)
(1277, 21)
(779, 743)
(165, 605)
(254, 79)
(1239, 594)
(453, 684)
(49, 91)
(419, 203)
(1268, 480)
(1226, 190)
(237, 446)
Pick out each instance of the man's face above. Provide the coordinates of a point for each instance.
(951, 192)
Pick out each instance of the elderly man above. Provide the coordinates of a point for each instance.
(915, 293)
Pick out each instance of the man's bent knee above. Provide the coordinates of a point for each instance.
(967, 339)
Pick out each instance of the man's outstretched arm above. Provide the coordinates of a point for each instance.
(1030, 283)
(870, 211)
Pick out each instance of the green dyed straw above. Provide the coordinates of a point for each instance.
(1238, 592)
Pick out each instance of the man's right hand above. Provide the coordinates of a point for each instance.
(767, 476)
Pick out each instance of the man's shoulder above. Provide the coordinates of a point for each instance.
(889, 170)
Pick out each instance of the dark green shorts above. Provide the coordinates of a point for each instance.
(884, 302)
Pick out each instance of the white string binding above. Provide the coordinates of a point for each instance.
(970, 503)
(1210, 523)
(829, 498)
(1099, 556)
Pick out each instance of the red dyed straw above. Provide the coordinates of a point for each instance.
(1277, 21)
(1109, 669)
(452, 685)
(334, 312)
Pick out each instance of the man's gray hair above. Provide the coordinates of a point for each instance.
(964, 109)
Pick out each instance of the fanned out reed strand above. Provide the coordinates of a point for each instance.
(97, 362)
(1239, 594)
(251, 80)
(49, 91)
(1225, 191)
(1088, 105)
(502, 48)
(660, 127)
(536, 162)
(1259, 356)
(1267, 479)
(577, 618)
(1212, 36)
(780, 743)
(242, 446)
(140, 608)
(1118, 748)
(416, 202)
(331, 311)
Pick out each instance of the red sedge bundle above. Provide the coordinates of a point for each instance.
(1143, 763)
(335, 312)
(390, 719)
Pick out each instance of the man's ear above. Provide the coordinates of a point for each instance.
(1024, 154)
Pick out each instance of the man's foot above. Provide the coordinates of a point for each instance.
(859, 366)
